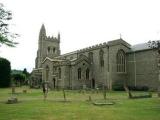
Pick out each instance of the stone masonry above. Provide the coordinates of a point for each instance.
(106, 64)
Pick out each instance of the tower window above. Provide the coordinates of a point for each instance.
(79, 73)
(54, 50)
(48, 50)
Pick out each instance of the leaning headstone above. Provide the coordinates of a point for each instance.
(158, 92)
(104, 92)
(128, 91)
(84, 89)
(64, 95)
(92, 91)
(149, 95)
(24, 91)
(45, 90)
(12, 100)
(97, 90)
(90, 99)
(13, 88)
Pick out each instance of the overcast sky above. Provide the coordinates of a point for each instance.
(81, 23)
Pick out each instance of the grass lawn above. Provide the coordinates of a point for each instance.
(32, 107)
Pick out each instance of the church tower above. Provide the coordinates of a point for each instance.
(48, 46)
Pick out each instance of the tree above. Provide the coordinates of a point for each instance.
(5, 72)
(154, 45)
(25, 72)
(18, 78)
(6, 37)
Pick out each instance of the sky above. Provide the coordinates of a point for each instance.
(81, 23)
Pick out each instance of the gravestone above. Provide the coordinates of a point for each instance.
(13, 88)
(84, 89)
(64, 95)
(24, 91)
(158, 92)
(45, 90)
(12, 100)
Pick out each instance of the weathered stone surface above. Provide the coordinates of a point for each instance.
(12, 100)
(24, 91)
(136, 65)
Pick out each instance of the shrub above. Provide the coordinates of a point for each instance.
(118, 87)
(5, 72)
(138, 88)
(18, 78)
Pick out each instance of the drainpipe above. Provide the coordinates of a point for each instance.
(135, 72)
(108, 75)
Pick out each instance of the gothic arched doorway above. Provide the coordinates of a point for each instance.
(93, 83)
(54, 83)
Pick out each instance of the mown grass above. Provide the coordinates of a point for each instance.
(31, 106)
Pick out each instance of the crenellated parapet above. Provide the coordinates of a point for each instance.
(52, 38)
(97, 46)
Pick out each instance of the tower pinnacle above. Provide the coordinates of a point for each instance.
(42, 31)
(59, 36)
(42, 36)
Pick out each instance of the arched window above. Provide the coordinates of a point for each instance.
(54, 69)
(59, 73)
(48, 50)
(90, 56)
(101, 58)
(79, 73)
(121, 61)
(54, 50)
(87, 74)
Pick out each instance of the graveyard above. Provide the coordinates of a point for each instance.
(79, 60)
(76, 105)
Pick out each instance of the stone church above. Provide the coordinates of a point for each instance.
(113, 63)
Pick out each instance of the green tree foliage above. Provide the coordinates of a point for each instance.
(5, 72)
(14, 71)
(6, 37)
(18, 78)
(154, 45)
(26, 73)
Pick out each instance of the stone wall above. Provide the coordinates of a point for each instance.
(142, 68)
